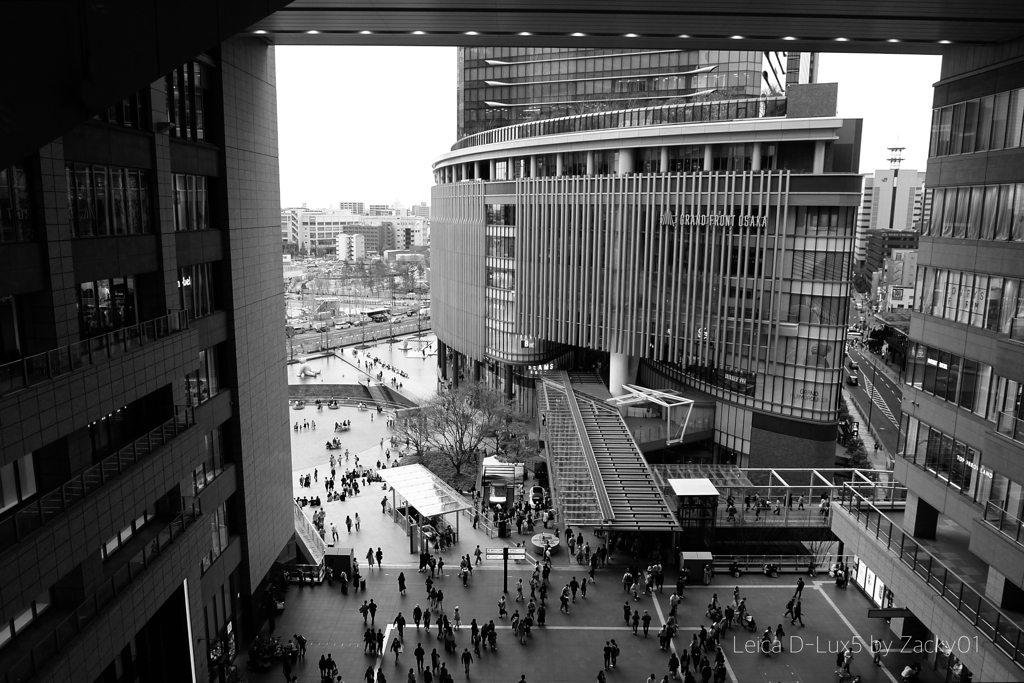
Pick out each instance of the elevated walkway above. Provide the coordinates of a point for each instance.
(601, 477)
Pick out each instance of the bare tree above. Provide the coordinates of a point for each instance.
(458, 425)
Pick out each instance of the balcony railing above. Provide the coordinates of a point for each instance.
(42, 367)
(46, 650)
(985, 616)
(690, 112)
(1010, 425)
(26, 520)
(1005, 523)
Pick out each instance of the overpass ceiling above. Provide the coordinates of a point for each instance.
(911, 26)
(70, 59)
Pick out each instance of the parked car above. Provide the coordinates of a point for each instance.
(537, 495)
(343, 325)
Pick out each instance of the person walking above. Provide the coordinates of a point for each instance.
(635, 621)
(876, 651)
(380, 557)
(607, 654)
(348, 523)
(797, 614)
(369, 557)
(519, 590)
(396, 647)
(799, 588)
(372, 607)
(357, 521)
(467, 659)
(478, 554)
(646, 620)
(400, 623)
(301, 642)
(401, 583)
(673, 665)
(789, 608)
(384, 505)
(419, 653)
(574, 586)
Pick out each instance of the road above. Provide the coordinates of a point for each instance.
(883, 385)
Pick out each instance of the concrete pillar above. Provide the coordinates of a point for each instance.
(456, 366)
(920, 518)
(663, 161)
(465, 171)
(590, 162)
(627, 161)
(558, 163)
(819, 156)
(755, 157)
(476, 170)
(621, 370)
(477, 367)
(508, 381)
(491, 167)
(442, 358)
(533, 165)
(709, 157)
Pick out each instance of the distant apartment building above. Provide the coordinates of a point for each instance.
(358, 208)
(318, 229)
(350, 247)
(381, 210)
(898, 278)
(377, 235)
(410, 232)
(891, 199)
(422, 210)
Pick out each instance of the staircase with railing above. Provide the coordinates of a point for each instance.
(307, 534)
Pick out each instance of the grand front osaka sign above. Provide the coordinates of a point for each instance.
(713, 220)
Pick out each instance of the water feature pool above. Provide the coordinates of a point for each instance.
(348, 368)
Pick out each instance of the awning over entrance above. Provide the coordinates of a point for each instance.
(424, 490)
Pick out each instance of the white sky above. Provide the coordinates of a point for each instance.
(366, 123)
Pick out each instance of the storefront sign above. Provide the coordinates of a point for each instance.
(713, 220)
(980, 469)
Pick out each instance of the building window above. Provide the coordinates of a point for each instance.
(17, 482)
(10, 338)
(186, 89)
(196, 289)
(130, 112)
(204, 383)
(20, 622)
(107, 201)
(191, 203)
(105, 306)
(214, 463)
(218, 536)
(501, 214)
(15, 206)
(122, 537)
(503, 278)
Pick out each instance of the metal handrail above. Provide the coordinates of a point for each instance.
(44, 652)
(1003, 522)
(666, 114)
(984, 615)
(26, 520)
(42, 367)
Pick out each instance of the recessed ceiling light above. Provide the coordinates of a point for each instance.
(312, 32)
(893, 40)
(417, 33)
(525, 33)
(737, 37)
(261, 32)
(631, 35)
(366, 33)
(789, 38)
(472, 33)
(684, 36)
(579, 35)
(841, 40)
(945, 42)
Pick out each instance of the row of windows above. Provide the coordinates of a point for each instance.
(191, 203)
(15, 205)
(212, 465)
(818, 265)
(956, 463)
(988, 212)
(19, 622)
(603, 60)
(950, 377)
(501, 214)
(105, 306)
(503, 278)
(825, 220)
(186, 88)
(986, 301)
(197, 290)
(131, 112)
(817, 310)
(665, 85)
(979, 125)
(501, 246)
(122, 537)
(107, 201)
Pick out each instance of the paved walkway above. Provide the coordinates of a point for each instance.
(569, 647)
